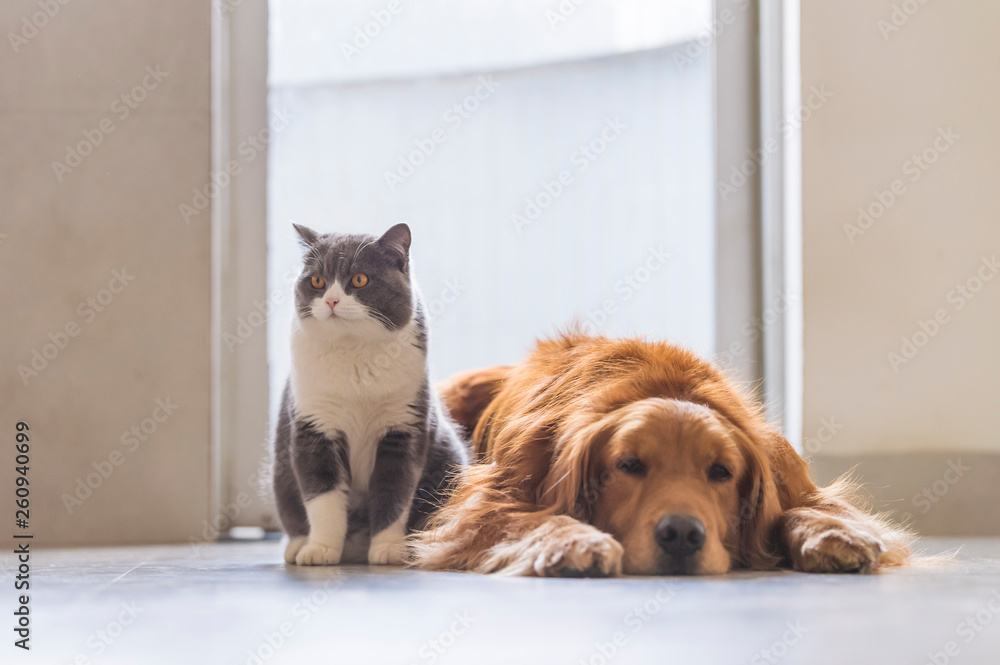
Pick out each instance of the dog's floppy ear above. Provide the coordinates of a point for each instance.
(566, 488)
(759, 507)
(468, 396)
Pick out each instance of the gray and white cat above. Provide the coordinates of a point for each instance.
(363, 450)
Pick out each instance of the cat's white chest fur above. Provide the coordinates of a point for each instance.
(361, 386)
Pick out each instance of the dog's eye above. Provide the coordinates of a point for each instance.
(718, 473)
(631, 465)
(318, 282)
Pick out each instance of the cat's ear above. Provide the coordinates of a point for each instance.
(307, 236)
(397, 241)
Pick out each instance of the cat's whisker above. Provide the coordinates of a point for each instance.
(380, 317)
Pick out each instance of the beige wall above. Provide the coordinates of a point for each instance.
(892, 98)
(116, 210)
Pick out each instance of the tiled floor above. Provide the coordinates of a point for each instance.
(236, 603)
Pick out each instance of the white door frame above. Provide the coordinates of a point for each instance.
(758, 249)
(737, 213)
(781, 215)
(240, 377)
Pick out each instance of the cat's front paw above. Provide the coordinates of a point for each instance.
(386, 553)
(314, 554)
(292, 547)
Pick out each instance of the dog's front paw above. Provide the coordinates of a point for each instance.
(386, 553)
(314, 554)
(579, 550)
(839, 549)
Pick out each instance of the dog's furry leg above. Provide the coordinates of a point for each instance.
(485, 529)
(556, 546)
(541, 545)
(829, 534)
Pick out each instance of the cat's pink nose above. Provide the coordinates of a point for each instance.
(332, 302)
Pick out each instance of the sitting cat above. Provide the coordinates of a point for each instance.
(363, 450)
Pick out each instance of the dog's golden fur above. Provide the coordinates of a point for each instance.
(583, 447)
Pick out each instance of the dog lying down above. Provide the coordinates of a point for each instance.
(599, 457)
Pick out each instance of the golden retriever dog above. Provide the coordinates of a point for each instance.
(598, 457)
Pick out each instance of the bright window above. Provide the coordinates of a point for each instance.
(553, 168)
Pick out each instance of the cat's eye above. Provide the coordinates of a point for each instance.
(719, 473)
(359, 280)
(631, 465)
(318, 282)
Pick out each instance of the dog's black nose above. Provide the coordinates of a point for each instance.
(680, 535)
